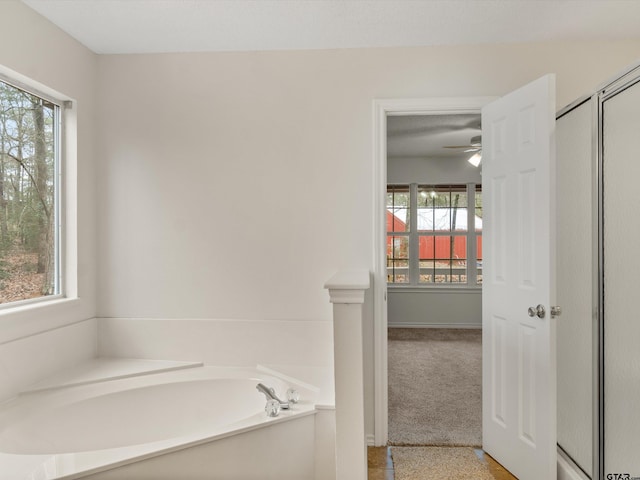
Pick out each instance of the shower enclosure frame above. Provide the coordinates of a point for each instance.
(623, 81)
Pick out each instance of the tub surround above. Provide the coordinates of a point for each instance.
(282, 451)
(100, 377)
(224, 342)
(105, 369)
(101, 353)
(32, 359)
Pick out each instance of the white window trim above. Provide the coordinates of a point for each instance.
(413, 235)
(66, 217)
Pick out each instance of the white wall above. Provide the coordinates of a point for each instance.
(36, 52)
(431, 170)
(239, 343)
(441, 309)
(429, 308)
(201, 155)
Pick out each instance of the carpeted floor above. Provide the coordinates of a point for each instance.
(438, 463)
(435, 387)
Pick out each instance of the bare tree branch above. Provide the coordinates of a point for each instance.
(33, 181)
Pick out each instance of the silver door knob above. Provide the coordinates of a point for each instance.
(536, 311)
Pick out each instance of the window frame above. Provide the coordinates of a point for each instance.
(471, 236)
(59, 136)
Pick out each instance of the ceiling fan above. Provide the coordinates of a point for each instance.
(475, 146)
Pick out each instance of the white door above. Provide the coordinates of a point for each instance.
(519, 368)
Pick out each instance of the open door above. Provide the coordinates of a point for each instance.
(519, 359)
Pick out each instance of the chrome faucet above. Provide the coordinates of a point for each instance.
(270, 393)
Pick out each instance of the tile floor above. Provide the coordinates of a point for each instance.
(381, 465)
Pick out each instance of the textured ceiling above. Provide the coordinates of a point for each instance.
(413, 136)
(154, 26)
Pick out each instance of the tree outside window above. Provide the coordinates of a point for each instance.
(28, 210)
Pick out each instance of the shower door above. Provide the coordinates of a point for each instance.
(620, 114)
(575, 267)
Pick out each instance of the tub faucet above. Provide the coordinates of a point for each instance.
(270, 393)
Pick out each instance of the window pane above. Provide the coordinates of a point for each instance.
(479, 256)
(443, 228)
(427, 271)
(434, 219)
(397, 259)
(27, 195)
(450, 271)
(398, 208)
(459, 219)
(443, 259)
(446, 247)
(427, 247)
(442, 208)
(459, 249)
(478, 218)
(442, 196)
(397, 220)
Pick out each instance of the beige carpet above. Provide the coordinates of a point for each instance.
(438, 463)
(435, 387)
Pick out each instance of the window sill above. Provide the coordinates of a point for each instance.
(20, 321)
(29, 303)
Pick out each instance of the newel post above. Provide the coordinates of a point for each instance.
(346, 292)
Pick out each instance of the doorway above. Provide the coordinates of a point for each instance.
(383, 110)
(519, 363)
(434, 252)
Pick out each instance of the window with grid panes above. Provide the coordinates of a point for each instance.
(398, 220)
(434, 235)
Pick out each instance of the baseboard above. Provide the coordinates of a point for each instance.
(371, 441)
(434, 325)
(567, 469)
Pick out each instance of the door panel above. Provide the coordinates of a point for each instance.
(519, 378)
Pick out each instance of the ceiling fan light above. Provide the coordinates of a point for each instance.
(475, 159)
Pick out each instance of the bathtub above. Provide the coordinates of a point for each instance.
(202, 422)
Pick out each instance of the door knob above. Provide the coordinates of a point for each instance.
(536, 311)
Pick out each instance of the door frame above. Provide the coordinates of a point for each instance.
(382, 108)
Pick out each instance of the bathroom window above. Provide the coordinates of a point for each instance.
(434, 235)
(29, 195)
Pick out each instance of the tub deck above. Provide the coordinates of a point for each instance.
(104, 376)
(105, 369)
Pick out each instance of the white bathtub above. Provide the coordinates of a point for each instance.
(88, 430)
